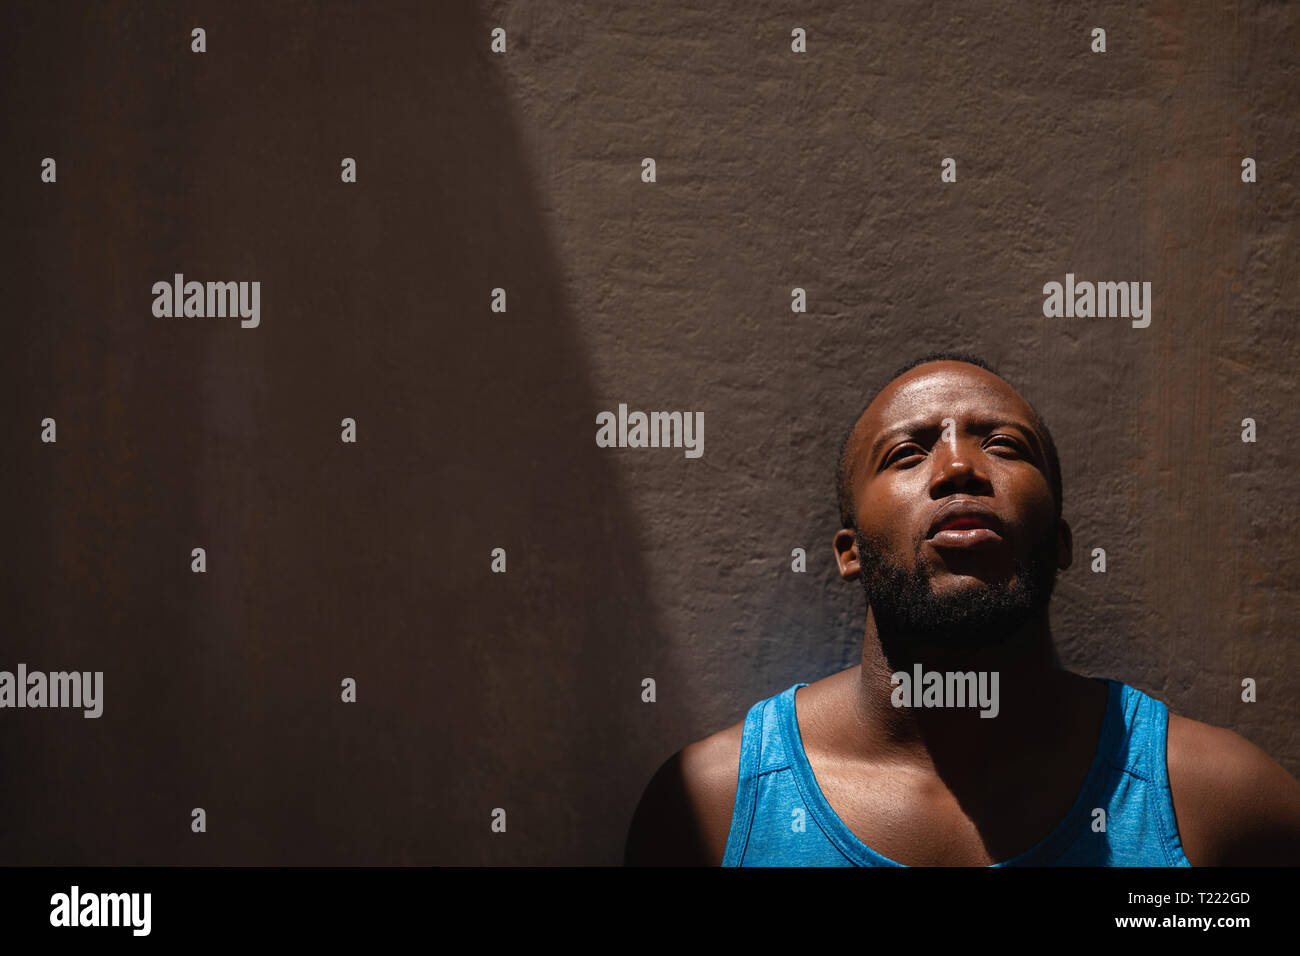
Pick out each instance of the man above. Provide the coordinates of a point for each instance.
(950, 498)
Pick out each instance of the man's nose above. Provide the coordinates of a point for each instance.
(955, 469)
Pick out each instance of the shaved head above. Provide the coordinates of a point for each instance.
(950, 498)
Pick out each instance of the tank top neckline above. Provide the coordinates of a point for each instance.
(1043, 852)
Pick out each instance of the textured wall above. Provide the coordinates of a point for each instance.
(475, 429)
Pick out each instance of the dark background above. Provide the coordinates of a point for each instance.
(476, 429)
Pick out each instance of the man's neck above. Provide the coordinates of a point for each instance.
(1035, 698)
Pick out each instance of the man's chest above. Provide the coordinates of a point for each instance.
(915, 819)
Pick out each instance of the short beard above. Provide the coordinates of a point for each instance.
(909, 614)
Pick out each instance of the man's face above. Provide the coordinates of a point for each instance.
(957, 542)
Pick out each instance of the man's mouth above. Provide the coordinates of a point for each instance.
(964, 524)
(963, 537)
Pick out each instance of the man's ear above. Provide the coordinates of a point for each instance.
(846, 553)
(1064, 544)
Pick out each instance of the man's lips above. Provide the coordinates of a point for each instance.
(964, 538)
(964, 524)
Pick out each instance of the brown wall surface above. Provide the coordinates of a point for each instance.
(475, 429)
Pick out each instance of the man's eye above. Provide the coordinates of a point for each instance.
(1002, 441)
(902, 452)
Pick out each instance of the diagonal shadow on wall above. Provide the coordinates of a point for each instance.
(325, 560)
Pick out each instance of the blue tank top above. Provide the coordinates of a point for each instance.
(1127, 779)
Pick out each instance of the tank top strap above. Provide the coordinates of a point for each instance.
(763, 750)
(1141, 754)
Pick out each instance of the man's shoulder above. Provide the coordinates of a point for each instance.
(684, 817)
(1234, 804)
